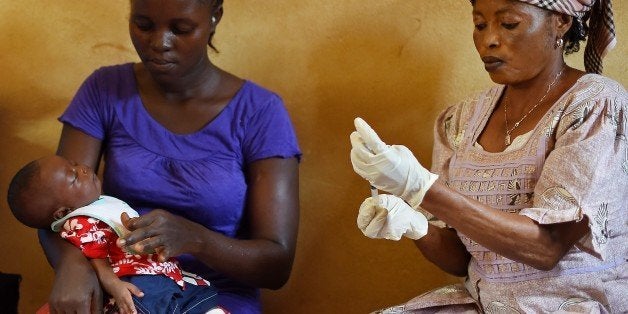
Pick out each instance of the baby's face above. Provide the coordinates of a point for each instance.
(70, 184)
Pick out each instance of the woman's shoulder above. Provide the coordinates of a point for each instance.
(483, 97)
(594, 91)
(253, 98)
(453, 121)
(93, 104)
(610, 84)
(459, 112)
(112, 77)
(257, 94)
(595, 88)
(593, 97)
(114, 70)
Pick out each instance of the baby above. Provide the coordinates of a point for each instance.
(61, 194)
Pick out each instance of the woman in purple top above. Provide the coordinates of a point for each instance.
(208, 159)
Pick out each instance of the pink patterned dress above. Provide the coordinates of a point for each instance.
(573, 164)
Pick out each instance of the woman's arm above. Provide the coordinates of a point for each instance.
(79, 147)
(443, 247)
(273, 218)
(265, 258)
(76, 286)
(514, 236)
(573, 183)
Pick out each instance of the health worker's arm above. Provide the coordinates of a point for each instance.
(511, 235)
(443, 247)
(572, 186)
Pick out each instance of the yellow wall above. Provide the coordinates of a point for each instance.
(394, 62)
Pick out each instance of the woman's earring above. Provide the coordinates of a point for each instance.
(559, 43)
(213, 20)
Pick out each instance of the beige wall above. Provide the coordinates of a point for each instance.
(394, 62)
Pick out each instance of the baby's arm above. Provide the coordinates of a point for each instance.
(94, 238)
(118, 289)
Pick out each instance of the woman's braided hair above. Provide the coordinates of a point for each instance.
(577, 33)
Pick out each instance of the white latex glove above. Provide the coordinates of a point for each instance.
(393, 169)
(389, 217)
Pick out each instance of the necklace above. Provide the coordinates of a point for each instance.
(509, 130)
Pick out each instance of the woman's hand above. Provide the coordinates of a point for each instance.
(388, 217)
(393, 169)
(159, 232)
(76, 288)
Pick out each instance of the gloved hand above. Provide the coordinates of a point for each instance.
(393, 169)
(389, 217)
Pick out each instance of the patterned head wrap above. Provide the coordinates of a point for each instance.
(601, 38)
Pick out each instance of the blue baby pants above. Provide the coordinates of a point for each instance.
(163, 295)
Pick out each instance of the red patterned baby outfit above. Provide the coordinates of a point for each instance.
(98, 241)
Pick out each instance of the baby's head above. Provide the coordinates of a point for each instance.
(49, 188)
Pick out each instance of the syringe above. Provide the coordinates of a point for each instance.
(374, 194)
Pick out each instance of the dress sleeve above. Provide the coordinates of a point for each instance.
(586, 174)
(90, 235)
(449, 132)
(269, 133)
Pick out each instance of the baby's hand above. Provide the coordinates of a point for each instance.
(122, 294)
